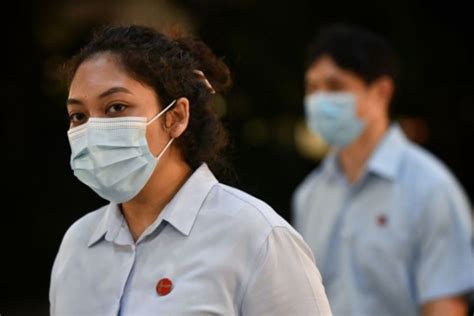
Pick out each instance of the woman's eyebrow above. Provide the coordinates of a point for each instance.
(72, 101)
(114, 90)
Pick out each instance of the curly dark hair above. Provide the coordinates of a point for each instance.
(169, 65)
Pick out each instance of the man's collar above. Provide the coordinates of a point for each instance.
(384, 161)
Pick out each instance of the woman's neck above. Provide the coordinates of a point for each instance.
(169, 176)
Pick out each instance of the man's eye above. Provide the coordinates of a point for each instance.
(335, 85)
(116, 108)
(77, 117)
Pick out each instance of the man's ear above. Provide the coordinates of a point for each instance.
(177, 119)
(384, 89)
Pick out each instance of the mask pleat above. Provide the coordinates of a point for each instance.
(112, 157)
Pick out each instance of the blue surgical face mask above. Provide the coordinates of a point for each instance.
(334, 117)
(112, 157)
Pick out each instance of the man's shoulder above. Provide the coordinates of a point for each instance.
(419, 163)
(430, 182)
(308, 184)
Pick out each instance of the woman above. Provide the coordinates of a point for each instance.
(173, 240)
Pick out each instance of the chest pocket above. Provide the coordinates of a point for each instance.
(382, 235)
(382, 232)
(382, 249)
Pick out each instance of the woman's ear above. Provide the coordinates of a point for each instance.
(177, 119)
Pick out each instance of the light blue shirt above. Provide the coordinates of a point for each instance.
(225, 252)
(396, 239)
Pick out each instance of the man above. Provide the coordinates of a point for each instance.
(389, 225)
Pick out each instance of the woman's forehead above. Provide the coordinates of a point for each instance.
(100, 73)
(100, 67)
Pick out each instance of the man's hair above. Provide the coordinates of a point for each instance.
(355, 49)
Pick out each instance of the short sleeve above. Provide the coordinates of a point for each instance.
(285, 280)
(53, 280)
(445, 264)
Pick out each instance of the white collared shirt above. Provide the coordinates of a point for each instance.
(225, 252)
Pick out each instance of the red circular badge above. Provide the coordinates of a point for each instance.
(382, 220)
(164, 287)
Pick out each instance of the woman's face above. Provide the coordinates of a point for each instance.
(102, 88)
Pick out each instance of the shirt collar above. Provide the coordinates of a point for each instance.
(183, 209)
(384, 161)
(181, 212)
(109, 225)
(330, 165)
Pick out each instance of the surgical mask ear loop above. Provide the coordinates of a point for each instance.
(161, 113)
(152, 120)
(164, 149)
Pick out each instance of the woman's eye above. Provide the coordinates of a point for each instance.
(116, 108)
(76, 118)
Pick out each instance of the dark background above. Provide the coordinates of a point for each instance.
(264, 44)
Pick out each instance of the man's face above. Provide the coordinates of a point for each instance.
(324, 75)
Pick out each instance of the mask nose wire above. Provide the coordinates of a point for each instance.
(161, 113)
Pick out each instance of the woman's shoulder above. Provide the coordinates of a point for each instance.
(244, 209)
(82, 229)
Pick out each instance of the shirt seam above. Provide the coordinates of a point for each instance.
(254, 273)
(308, 279)
(254, 206)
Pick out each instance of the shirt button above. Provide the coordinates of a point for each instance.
(164, 287)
